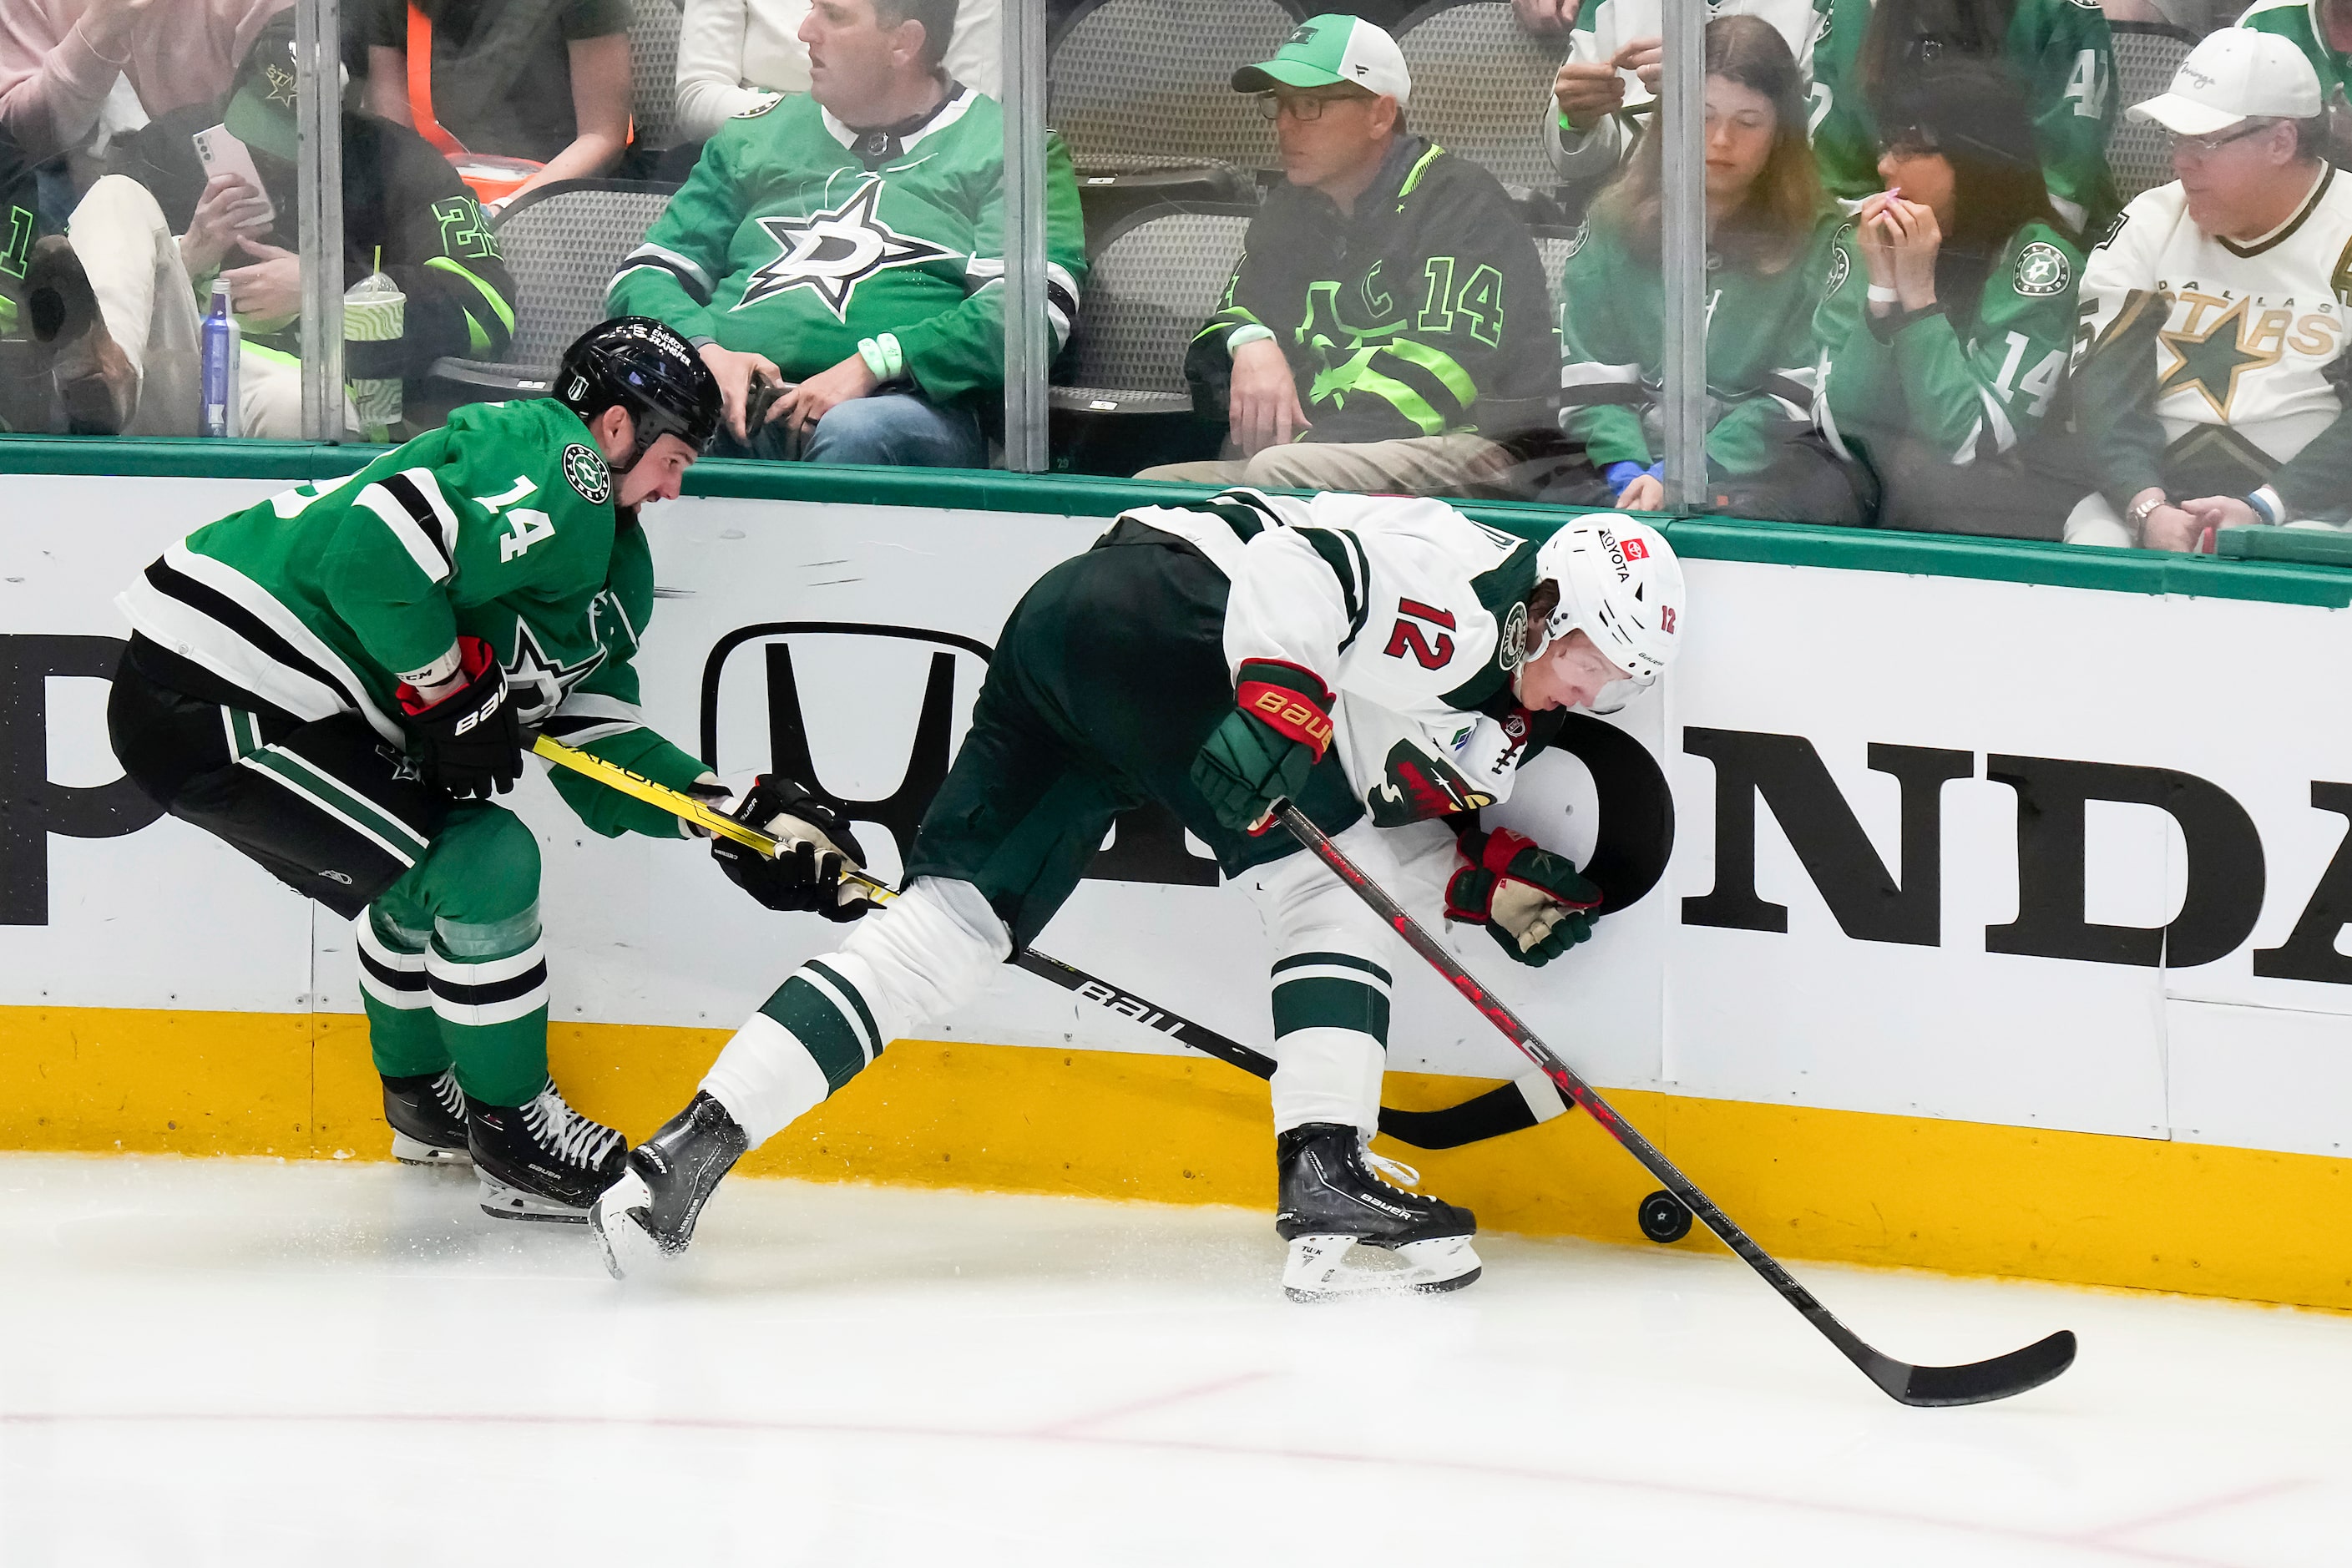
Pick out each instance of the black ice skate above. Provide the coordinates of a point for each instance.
(542, 1160)
(428, 1113)
(1333, 1199)
(649, 1212)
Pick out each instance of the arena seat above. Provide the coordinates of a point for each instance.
(1142, 90)
(653, 27)
(563, 243)
(1480, 87)
(2139, 155)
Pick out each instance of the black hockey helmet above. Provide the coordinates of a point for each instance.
(649, 369)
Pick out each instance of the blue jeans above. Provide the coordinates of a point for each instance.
(895, 429)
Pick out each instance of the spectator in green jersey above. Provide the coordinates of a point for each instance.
(2059, 50)
(1770, 238)
(838, 257)
(1949, 314)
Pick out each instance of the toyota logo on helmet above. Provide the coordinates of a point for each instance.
(1620, 585)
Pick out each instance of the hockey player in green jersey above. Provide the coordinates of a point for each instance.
(1771, 240)
(335, 681)
(1384, 661)
(845, 250)
(1948, 316)
(2059, 50)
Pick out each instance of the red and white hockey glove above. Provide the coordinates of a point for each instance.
(1262, 752)
(1534, 903)
(468, 741)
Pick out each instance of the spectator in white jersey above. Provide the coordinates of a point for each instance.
(2214, 331)
(734, 55)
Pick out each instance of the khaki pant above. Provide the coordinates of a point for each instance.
(1462, 465)
(151, 311)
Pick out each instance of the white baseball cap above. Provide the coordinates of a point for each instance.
(2235, 74)
(1326, 50)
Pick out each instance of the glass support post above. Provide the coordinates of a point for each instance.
(319, 172)
(1682, 400)
(1028, 350)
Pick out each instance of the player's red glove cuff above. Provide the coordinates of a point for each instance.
(474, 657)
(1287, 700)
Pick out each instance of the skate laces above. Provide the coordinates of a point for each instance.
(448, 1096)
(1395, 1172)
(566, 1133)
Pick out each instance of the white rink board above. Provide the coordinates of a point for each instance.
(647, 932)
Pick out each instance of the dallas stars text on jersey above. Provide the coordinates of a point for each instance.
(2207, 367)
(797, 237)
(498, 525)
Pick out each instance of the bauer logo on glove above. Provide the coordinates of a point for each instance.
(1534, 903)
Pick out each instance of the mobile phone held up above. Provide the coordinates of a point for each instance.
(222, 153)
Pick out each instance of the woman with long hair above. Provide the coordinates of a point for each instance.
(1946, 326)
(2059, 51)
(1770, 238)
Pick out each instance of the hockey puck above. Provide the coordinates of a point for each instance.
(1662, 1217)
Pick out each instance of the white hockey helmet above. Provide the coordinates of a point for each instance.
(1620, 585)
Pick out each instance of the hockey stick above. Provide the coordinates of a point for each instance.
(1971, 1384)
(1522, 1103)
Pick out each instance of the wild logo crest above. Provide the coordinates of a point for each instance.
(830, 252)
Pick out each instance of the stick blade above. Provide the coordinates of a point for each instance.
(1979, 1382)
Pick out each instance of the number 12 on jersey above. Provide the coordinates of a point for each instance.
(1407, 638)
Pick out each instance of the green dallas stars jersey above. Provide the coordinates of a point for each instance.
(2298, 21)
(797, 237)
(1972, 380)
(1760, 355)
(499, 525)
(2065, 61)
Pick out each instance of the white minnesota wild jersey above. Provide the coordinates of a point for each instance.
(2252, 333)
(1412, 614)
(1605, 27)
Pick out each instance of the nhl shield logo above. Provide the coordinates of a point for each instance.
(588, 474)
(2042, 271)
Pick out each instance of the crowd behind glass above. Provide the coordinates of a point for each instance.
(2033, 268)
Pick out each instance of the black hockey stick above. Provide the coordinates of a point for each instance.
(1972, 1385)
(1521, 1103)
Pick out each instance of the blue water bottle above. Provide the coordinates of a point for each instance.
(222, 345)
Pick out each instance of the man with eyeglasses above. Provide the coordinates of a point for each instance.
(2214, 315)
(1388, 328)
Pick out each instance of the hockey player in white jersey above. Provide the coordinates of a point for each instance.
(1386, 664)
(2210, 362)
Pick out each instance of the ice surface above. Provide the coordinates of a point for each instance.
(250, 1363)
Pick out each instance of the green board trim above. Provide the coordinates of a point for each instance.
(1074, 495)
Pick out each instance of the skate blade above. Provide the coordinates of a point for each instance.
(502, 1202)
(416, 1152)
(625, 1241)
(1337, 1268)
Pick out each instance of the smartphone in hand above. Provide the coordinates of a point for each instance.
(222, 153)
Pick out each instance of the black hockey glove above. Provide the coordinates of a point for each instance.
(1265, 749)
(470, 742)
(1534, 903)
(814, 847)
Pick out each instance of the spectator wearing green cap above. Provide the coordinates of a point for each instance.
(1388, 328)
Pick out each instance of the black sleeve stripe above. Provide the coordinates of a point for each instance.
(1062, 299)
(694, 291)
(220, 607)
(1440, 397)
(403, 488)
(1344, 556)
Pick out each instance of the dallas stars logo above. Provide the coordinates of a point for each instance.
(2212, 361)
(540, 684)
(830, 252)
(278, 85)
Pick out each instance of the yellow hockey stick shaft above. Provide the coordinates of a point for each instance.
(677, 801)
